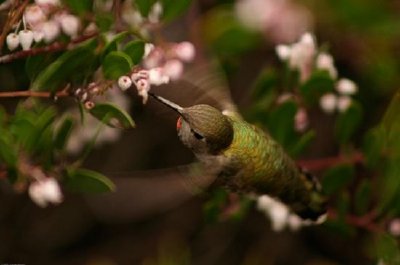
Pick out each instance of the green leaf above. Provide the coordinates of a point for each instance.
(318, 84)
(112, 45)
(63, 134)
(174, 8)
(112, 116)
(135, 50)
(362, 197)
(388, 249)
(391, 119)
(144, 6)
(104, 21)
(348, 122)
(35, 64)
(336, 178)
(84, 180)
(301, 144)
(79, 6)
(74, 62)
(281, 123)
(116, 64)
(266, 81)
(8, 154)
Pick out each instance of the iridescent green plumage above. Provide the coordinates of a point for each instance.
(258, 164)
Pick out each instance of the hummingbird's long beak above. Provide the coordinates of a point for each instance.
(170, 104)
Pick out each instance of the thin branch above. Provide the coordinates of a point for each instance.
(13, 17)
(29, 93)
(323, 163)
(366, 221)
(56, 46)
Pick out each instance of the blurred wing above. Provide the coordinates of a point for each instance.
(202, 83)
(142, 194)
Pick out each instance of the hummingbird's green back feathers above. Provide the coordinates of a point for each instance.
(261, 166)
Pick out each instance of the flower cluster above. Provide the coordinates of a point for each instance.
(281, 21)
(281, 216)
(44, 21)
(160, 65)
(304, 57)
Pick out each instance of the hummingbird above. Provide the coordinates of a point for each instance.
(246, 159)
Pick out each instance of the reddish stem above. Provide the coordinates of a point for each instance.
(323, 163)
(29, 93)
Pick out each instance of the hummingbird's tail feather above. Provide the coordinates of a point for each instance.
(143, 194)
(316, 207)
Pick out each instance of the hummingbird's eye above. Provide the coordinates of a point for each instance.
(197, 135)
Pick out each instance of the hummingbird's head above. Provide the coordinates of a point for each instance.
(202, 128)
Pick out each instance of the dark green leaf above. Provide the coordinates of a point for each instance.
(336, 178)
(301, 144)
(135, 50)
(83, 180)
(266, 81)
(104, 21)
(281, 123)
(79, 6)
(318, 84)
(8, 154)
(144, 6)
(73, 62)
(63, 133)
(112, 116)
(116, 64)
(362, 197)
(348, 122)
(35, 64)
(174, 8)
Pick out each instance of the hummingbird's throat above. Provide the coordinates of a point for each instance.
(179, 123)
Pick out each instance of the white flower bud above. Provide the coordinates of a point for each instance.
(328, 102)
(325, 62)
(50, 30)
(346, 86)
(124, 82)
(344, 102)
(173, 68)
(12, 41)
(301, 120)
(38, 36)
(185, 51)
(283, 52)
(70, 25)
(142, 85)
(26, 39)
(155, 12)
(34, 15)
(45, 191)
(157, 77)
(148, 48)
